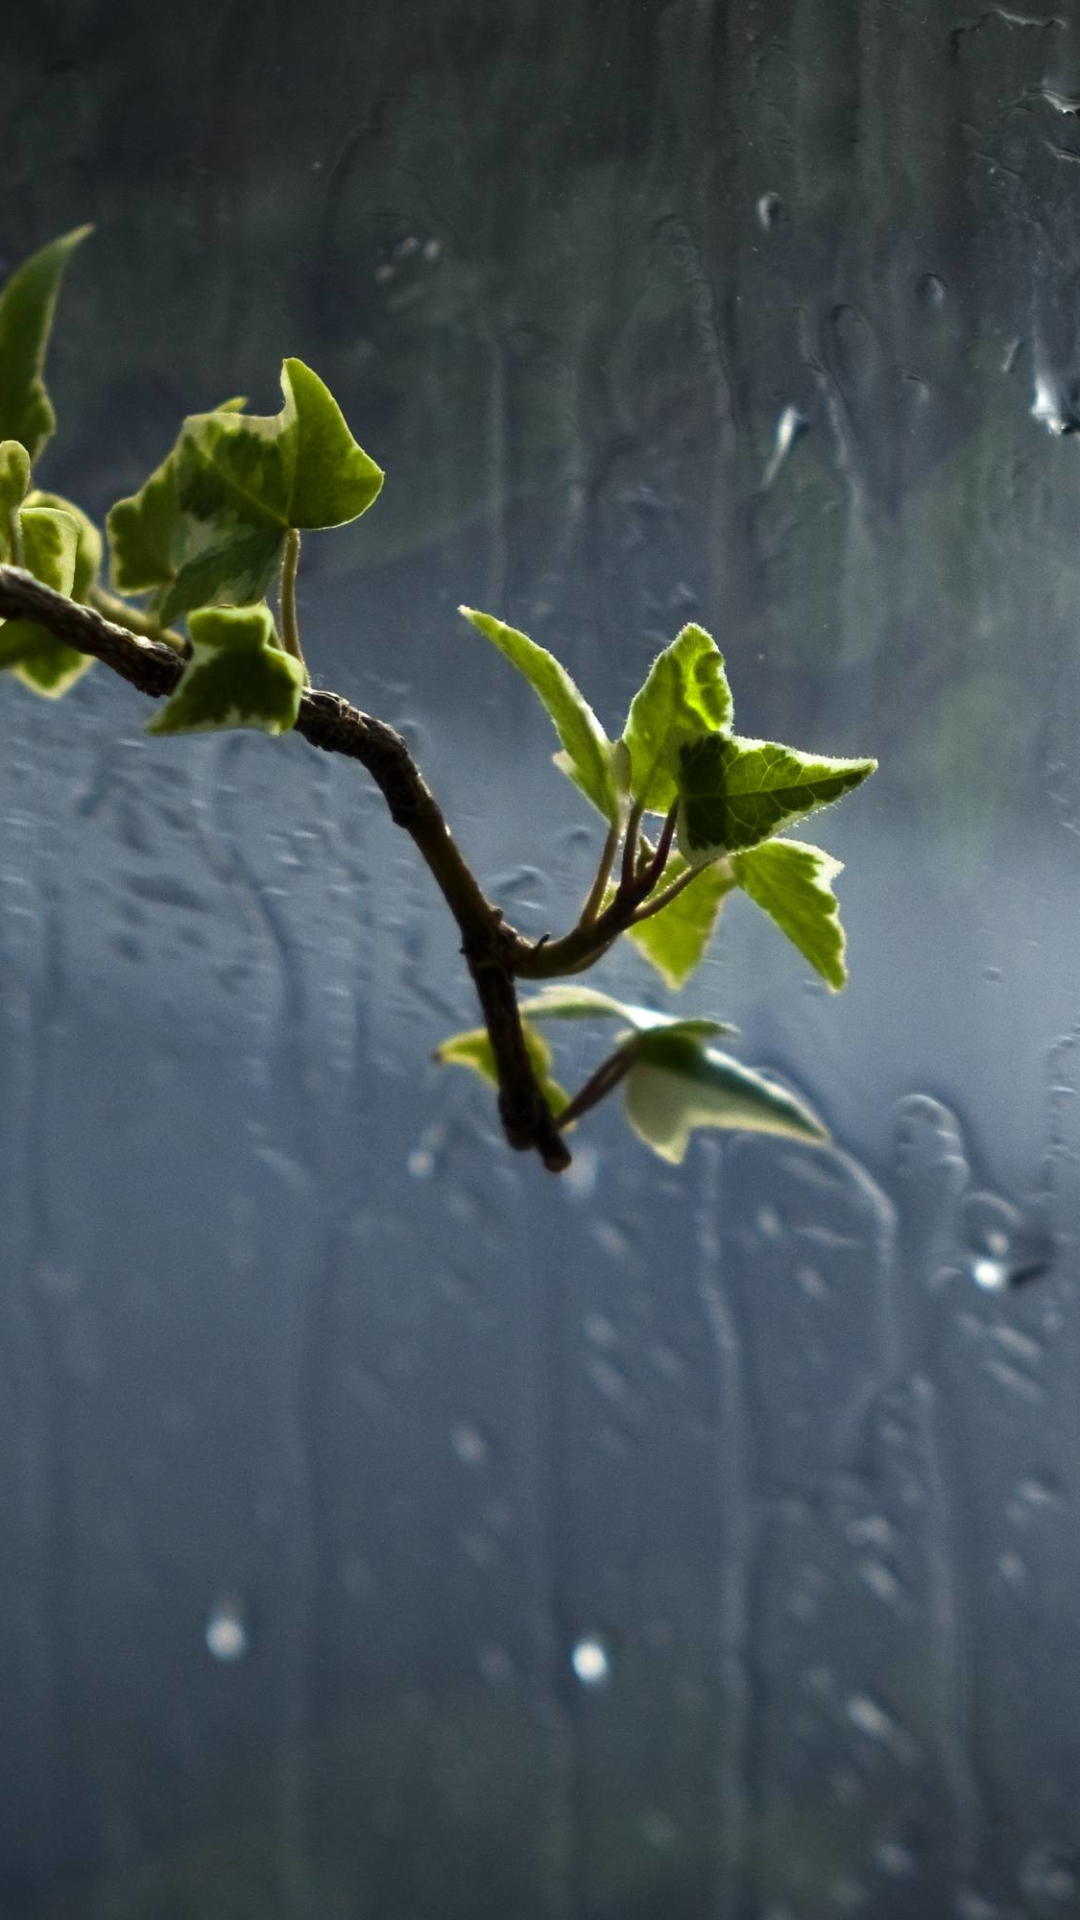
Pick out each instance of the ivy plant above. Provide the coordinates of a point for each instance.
(199, 611)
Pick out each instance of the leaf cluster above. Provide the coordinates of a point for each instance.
(692, 810)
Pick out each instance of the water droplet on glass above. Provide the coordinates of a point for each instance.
(867, 1717)
(591, 1662)
(469, 1445)
(1049, 1880)
(931, 290)
(1004, 1253)
(895, 1860)
(1012, 1569)
(788, 428)
(495, 1664)
(769, 211)
(1054, 408)
(660, 1831)
(989, 1274)
(970, 1905)
(881, 1581)
(226, 1630)
(579, 1180)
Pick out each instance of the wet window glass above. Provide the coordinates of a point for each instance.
(393, 1530)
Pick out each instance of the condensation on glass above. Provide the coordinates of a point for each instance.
(393, 1532)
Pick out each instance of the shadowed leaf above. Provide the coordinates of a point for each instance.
(27, 305)
(676, 1084)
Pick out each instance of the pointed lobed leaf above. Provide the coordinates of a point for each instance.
(50, 542)
(149, 537)
(27, 305)
(674, 940)
(297, 468)
(334, 481)
(793, 883)
(474, 1050)
(587, 755)
(236, 677)
(88, 553)
(676, 1084)
(685, 697)
(735, 792)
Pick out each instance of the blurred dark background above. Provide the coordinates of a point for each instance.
(391, 1532)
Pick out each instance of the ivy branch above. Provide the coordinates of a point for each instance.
(202, 544)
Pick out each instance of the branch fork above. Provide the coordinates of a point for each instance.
(494, 952)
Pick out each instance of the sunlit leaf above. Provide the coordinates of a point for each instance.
(89, 550)
(676, 1084)
(236, 676)
(27, 305)
(685, 697)
(50, 542)
(674, 940)
(735, 792)
(474, 1050)
(586, 757)
(297, 468)
(793, 883)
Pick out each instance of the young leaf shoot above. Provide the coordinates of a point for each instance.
(196, 554)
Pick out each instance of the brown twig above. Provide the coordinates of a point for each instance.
(492, 950)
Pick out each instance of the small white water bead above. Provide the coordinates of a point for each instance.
(591, 1662)
(226, 1632)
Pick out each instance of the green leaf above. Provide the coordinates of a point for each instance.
(685, 696)
(89, 550)
(674, 940)
(231, 561)
(676, 1084)
(793, 883)
(149, 537)
(50, 542)
(147, 533)
(14, 485)
(298, 468)
(586, 758)
(735, 792)
(236, 677)
(27, 304)
(559, 1002)
(474, 1050)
